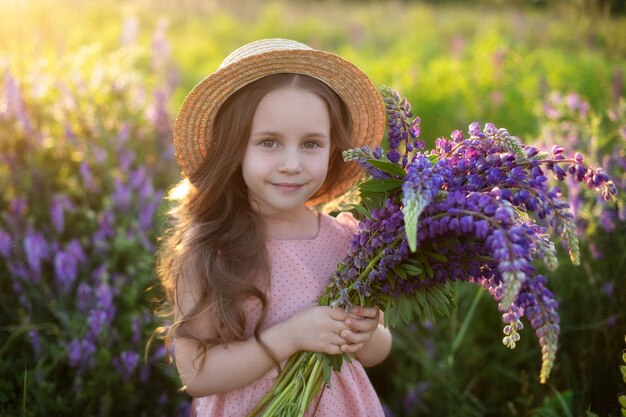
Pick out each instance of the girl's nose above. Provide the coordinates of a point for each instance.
(290, 163)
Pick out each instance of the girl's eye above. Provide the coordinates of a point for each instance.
(311, 145)
(268, 143)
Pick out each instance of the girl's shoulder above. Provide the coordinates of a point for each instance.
(344, 222)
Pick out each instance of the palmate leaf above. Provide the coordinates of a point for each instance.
(385, 185)
(388, 167)
(420, 305)
(361, 210)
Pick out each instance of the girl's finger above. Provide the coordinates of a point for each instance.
(338, 340)
(369, 312)
(355, 338)
(337, 313)
(362, 325)
(351, 348)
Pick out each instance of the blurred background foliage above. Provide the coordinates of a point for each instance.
(87, 97)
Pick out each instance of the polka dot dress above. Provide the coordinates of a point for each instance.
(300, 271)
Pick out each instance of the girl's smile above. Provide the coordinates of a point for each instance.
(287, 154)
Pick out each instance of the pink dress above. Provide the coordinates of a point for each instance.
(300, 271)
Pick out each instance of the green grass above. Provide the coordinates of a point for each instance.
(456, 63)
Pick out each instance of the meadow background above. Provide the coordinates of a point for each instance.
(88, 94)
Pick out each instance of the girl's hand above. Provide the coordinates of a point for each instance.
(318, 329)
(362, 322)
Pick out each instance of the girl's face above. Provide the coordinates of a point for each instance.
(287, 154)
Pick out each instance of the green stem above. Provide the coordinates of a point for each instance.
(373, 263)
(309, 392)
(287, 373)
(277, 403)
(316, 387)
(468, 318)
(284, 378)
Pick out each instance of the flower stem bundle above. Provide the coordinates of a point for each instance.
(476, 209)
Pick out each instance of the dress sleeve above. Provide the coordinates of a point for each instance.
(348, 221)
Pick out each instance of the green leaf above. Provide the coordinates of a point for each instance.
(326, 371)
(437, 256)
(429, 269)
(440, 301)
(367, 203)
(388, 167)
(399, 270)
(406, 309)
(361, 210)
(411, 269)
(424, 305)
(390, 314)
(381, 185)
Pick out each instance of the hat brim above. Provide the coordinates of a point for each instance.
(193, 126)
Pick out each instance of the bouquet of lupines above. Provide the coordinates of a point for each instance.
(477, 209)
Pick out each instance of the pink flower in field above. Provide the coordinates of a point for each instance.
(457, 45)
(130, 31)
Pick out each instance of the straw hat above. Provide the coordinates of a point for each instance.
(193, 127)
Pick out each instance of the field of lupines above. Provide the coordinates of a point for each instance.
(87, 96)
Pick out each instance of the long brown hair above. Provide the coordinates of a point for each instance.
(215, 237)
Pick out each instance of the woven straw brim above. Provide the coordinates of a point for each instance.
(193, 127)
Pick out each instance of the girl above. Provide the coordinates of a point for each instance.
(259, 142)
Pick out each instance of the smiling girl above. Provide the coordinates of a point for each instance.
(247, 256)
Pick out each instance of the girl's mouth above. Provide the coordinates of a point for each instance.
(287, 187)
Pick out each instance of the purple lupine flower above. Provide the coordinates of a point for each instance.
(99, 274)
(84, 297)
(122, 195)
(104, 300)
(608, 288)
(18, 269)
(126, 363)
(35, 342)
(419, 189)
(56, 214)
(413, 398)
(15, 104)
(404, 130)
(36, 249)
(105, 232)
(146, 216)
(13, 97)
(123, 134)
(138, 179)
(59, 205)
(80, 354)
(160, 46)
(97, 321)
(74, 353)
(87, 177)
(6, 241)
(136, 328)
(66, 270)
(540, 307)
(126, 158)
(480, 226)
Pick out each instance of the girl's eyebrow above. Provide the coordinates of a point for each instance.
(270, 132)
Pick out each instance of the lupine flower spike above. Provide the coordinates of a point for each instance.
(477, 208)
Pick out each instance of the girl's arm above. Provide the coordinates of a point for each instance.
(368, 339)
(236, 364)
